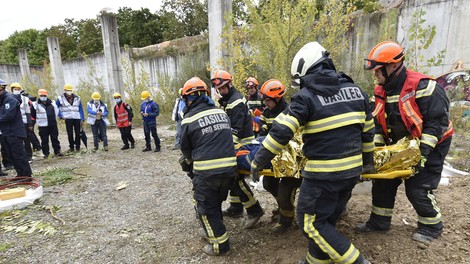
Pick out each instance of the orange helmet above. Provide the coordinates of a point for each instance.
(251, 82)
(220, 78)
(194, 85)
(273, 89)
(42, 92)
(384, 53)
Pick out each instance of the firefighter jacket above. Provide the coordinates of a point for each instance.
(254, 102)
(46, 113)
(234, 104)
(11, 124)
(70, 108)
(338, 127)
(412, 104)
(269, 115)
(123, 114)
(206, 139)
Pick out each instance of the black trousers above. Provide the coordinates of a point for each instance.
(53, 133)
(320, 204)
(27, 144)
(6, 159)
(419, 191)
(283, 189)
(33, 138)
(209, 193)
(73, 133)
(126, 135)
(241, 196)
(15, 150)
(151, 128)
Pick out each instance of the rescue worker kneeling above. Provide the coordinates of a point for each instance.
(206, 144)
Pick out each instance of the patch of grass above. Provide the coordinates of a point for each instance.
(5, 246)
(55, 176)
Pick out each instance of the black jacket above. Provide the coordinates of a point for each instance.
(11, 123)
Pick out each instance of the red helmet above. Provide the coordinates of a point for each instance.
(273, 89)
(194, 85)
(251, 82)
(220, 78)
(384, 53)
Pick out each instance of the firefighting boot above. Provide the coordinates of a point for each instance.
(235, 210)
(423, 238)
(368, 228)
(283, 225)
(209, 250)
(253, 219)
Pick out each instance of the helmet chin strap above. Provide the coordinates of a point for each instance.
(389, 77)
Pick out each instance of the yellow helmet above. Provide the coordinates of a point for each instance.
(95, 96)
(144, 95)
(115, 95)
(68, 87)
(16, 85)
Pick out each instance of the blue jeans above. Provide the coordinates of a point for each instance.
(99, 132)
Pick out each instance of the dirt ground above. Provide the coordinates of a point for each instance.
(152, 220)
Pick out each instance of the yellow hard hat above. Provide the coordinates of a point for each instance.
(144, 95)
(68, 87)
(95, 96)
(42, 92)
(117, 95)
(16, 85)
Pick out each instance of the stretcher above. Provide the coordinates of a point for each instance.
(383, 175)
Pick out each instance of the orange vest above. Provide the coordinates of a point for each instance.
(122, 119)
(409, 110)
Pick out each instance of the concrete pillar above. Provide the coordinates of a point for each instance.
(56, 64)
(218, 11)
(24, 64)
(112, 52)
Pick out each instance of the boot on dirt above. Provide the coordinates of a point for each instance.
(209, 250)
(423, 238)
(147, 148)
(367, 228)
(252, 220)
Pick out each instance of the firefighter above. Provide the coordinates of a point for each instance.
(283, 189)
(206, 144)
(233, 103)
(408, 104)
(254, 103)
(338, 131)
(123, 116)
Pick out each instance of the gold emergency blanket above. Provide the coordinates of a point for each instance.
(404, 155)
(290, 161)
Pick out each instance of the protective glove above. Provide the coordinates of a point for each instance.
(254, 171)
(368, 163)
(185, 166)
(420, 166)
(256, 119)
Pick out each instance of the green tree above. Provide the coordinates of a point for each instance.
(139, 28)
(277, 30)
(191, 15)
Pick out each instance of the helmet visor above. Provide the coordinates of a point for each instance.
(216, 82)
(372, 64)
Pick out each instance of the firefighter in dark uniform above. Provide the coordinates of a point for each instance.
(338, 133)
(254, 103)
(234, 104)
(13, 133)
(408, 104)
(284, 188)
(207, 146)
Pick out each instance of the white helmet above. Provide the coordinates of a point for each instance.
(308, 56)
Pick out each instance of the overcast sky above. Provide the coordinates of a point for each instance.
(19, 15)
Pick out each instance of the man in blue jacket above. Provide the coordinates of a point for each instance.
(13, 132)
(149, 111)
